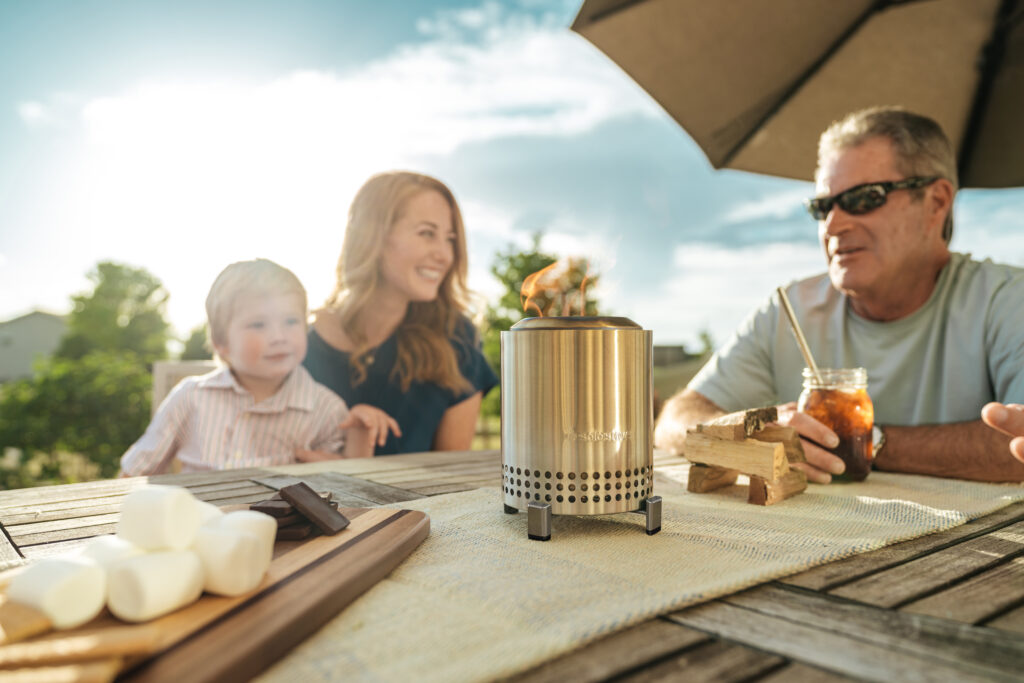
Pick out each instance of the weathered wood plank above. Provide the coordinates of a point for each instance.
(917, 578)
(616, 654)
(222, 496)
(455, 488)
(22, 531)
(1010, 621)
(829, 650)
(928, 637)
(29, 540)
(843, 571)
(412, 484)
(112, 504)
(10, 555)
(112, 487)
(795, 672)
(362, 466)
(356, 492)
(715, 661)
(394, 477)
(49, 514)
(37, 552)
(977, 598)
(43, 495)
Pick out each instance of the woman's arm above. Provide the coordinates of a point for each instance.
(458, 425)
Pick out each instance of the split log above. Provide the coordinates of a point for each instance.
(739, 425)
(758, 458)
(764, 492)
(704, 478)
(787, 436)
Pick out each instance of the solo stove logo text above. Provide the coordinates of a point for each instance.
(572, 435)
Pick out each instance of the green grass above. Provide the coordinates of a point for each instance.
(669, 379)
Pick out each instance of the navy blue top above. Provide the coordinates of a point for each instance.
(417, 411)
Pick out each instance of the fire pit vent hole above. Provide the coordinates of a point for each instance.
(632, 484)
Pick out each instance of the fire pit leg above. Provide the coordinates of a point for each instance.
(509, 510)
(653, 508)
(538, 521)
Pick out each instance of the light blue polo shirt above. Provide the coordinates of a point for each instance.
(941, 364)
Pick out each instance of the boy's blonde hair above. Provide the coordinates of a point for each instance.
(260, 277)
(425, 353)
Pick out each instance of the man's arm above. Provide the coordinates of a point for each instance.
(965, 450)
(681, 412)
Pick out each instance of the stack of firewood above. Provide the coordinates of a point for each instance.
(746, 443)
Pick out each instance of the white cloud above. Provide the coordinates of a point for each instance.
(716, 287)
(34, 113)
(185, 177)
(777, 205)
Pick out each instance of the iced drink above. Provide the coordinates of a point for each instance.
(839, 399)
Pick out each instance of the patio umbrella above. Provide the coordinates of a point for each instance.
(754, 82)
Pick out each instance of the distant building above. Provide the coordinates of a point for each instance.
(670, 355)
(24, 339)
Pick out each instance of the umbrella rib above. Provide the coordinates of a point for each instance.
(989, 61)
(602, 14)
(878, 6)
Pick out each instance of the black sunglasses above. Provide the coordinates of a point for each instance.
(864, 198)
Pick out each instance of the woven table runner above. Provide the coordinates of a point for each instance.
(478, 600)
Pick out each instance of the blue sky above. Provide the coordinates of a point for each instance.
(182, 136)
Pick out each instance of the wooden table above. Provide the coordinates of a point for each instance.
(949, 606)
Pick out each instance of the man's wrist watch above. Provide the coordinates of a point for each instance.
(877, 441)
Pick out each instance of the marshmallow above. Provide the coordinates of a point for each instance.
(105, 550)
(68, 590)
(159, 518)
(148, 586)
(208, 512)
(258, 524)
(234, 562)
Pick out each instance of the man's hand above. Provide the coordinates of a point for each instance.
(1008, 419)
(821, 464)
(374, 420)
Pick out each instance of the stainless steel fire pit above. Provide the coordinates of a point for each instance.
(576, 420)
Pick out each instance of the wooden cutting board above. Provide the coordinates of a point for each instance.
(233, 639)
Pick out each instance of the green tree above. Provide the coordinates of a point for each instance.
(124, 312)
(707, 343)
(559, 294)
(195, 345)
(96, 405)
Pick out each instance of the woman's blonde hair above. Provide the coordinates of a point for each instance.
(425, 352)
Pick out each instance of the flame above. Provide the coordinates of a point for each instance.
(552, 282)
(532, 287)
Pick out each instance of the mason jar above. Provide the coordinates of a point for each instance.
(838, 398)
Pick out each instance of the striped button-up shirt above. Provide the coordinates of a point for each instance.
(211, 422)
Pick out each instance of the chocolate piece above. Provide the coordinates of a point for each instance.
(294, 532)
(274, 508)
(326, 495)
(314, 508)
(288, 520)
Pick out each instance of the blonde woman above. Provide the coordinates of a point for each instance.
(394, 333)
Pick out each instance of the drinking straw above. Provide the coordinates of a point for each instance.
(798, 333)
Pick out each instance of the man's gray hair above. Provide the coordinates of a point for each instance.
(921, 147)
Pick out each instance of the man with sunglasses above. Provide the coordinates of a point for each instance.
(941, 335)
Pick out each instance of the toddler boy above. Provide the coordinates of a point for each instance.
(263, 408)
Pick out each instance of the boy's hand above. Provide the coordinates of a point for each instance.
(374, 420)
